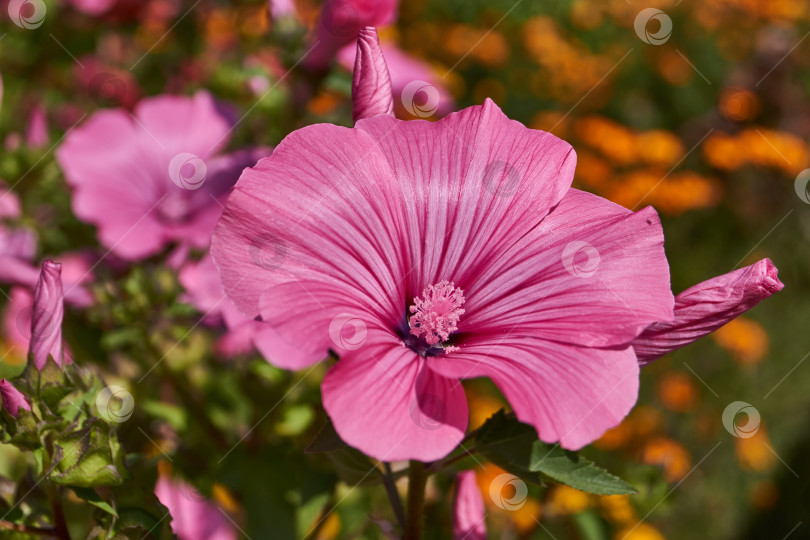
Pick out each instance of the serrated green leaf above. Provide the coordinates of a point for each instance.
(515, 447)
(573, 470)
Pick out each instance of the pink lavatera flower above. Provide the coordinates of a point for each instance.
(424, 253)
(153, 178)
(193, 516)
(11, 399)
(46, 317)
(468, 515)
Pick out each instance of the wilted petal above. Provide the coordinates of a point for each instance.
(706, 307)
(371, 84)
(11, 399)
(468, 515)
(46, 318)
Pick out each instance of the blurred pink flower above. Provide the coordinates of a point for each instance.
(428, 252)
(92, 7)
(204, 292)
(341, 21)
(46, 317)
(9, 204)
(17, 250)
(418, 91)
(468, 518)
(105, 85)
(707, 306)
(193, 516)
(153, 178)
(36, 134)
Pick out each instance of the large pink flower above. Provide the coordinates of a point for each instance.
(425, 253)
(152, 178)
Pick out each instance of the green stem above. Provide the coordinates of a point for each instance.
(41, 531)
(59, 522)
(393, 495)
(417, 478)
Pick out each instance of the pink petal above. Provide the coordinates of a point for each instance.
(384, 401)
(707, 306)
(591, 274)
(46, 317)
(318, 210)
(11, 399)
(571, 395)
(472, 184)
(371, 84)
(468, 522)
(193, 516)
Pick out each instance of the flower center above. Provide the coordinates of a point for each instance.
(436, 314)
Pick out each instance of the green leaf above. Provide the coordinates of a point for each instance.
(573, 470)
(140, 520)
(90, 456)
(351, 465)
(515, 447)
(89, 495)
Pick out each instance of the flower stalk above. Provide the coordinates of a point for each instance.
(417, 479)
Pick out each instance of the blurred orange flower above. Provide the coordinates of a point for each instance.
(668, 454)
(744, 338)
(677, 392)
